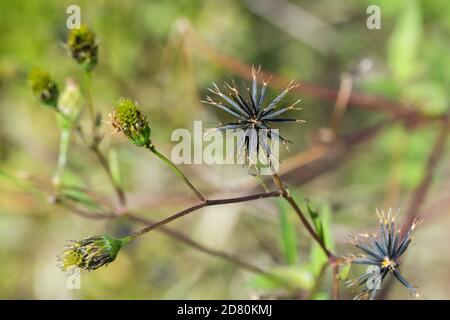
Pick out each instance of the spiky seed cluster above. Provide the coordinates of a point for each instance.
(90, 254)
(127, 118)
(382, 250)
(83, 47)
(253, 119)
(43, 87)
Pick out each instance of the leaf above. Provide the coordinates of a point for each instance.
(405, 41)
(321, 296)
(293, 277)
(80, 197)
(114, 166)
(326, 218)
(11, 179)
(344, 271)
(317, 257)
(431, 98)
(288, 236)
(314, 214)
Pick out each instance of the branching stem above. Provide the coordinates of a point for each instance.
(206, 203)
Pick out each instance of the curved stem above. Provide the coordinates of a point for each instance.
(178, 172)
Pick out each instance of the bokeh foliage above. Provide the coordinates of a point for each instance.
(143, 54)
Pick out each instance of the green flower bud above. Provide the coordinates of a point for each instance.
(70, 103)
(83, 47)
(91, 253)
(43, 87)
(128, 119)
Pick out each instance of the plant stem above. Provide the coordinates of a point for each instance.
(332, 259)
(335, 290)
(286, 195)
(104, 163)
(168, 231)
(178, 172)
(88, 84)
(62, 157)
(206, 203)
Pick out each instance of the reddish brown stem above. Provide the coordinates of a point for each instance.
(206, 203)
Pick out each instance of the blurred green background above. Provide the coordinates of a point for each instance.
(165, 54)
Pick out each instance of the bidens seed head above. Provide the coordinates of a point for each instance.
(44, 88)
(83, 47)
(127, 118)
(90, 254)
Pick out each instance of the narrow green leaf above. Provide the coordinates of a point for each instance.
(322, 224)
(317, 259)
(79, 197)
(114, 166)
(344, 271)
(326, 219)
(321, 296)
(405, 42)
(314, 214)
(294, 277)
(288, 236)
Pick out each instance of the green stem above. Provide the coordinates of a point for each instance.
(178, 172)
(125, 240)
(62, 157)
(88, 84)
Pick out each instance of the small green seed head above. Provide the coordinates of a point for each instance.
(128, 119)
(83, 47)
(90, 254)
(44, 88)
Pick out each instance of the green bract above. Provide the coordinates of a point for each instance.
(91, 253)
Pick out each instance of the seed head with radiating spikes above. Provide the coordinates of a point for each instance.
(382, 250)
(252, 117)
